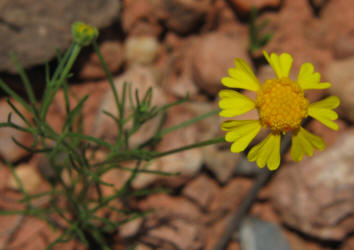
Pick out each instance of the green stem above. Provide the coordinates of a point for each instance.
(48, 99)
(109, 75)
(195, 145)
(189, 122)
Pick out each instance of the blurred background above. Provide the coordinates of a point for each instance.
(180, 46)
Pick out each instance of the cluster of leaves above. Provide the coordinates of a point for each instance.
(74, 201)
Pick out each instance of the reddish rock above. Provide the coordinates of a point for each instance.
(293, 29)
(315, 196)
(343, 46)
(245, 5)
(223, 16)
(221, 162)
(213, 232)
(265, 211)
(348, 244)
(140, 18)
(113, 55)
(201, 190)
(36, 234)
(176, 222)
(213, 54)
(178, 79)
(229, 198)
(182, 16)
(5, 174)
(335, 28)
(8, 149)
(233, 245)
(131, 228)
(187, 163)
(341, 75)
(115, 176)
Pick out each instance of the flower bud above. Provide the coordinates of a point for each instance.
(84, 34)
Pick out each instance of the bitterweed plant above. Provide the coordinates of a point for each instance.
(73, 203)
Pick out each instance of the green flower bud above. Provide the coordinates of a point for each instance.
(84, 34)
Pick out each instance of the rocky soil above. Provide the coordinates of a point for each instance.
(181, 46)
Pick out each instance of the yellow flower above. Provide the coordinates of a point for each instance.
(281, 106)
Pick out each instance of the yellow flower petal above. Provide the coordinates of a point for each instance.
(267, 152)
(233, 103)
(241, 77)
(304, 142)
(280, 64)
(322, 111)
(308, 79)
(241, 133)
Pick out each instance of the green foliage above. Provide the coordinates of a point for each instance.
(256, 37)
(75, 200)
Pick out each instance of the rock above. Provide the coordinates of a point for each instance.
(187, 163)
(318, 4)
(177, 222)
(229, 198)
(29, 177)
(179, 80)
(297, 242)
(4, 176)
(221, 162)
(8, 149)
(343, 47)
(315, 196)
(113, 55)
(213, 232)
(116, 177)
(201, 190)
(130, 228)
(256, 234)
(244, 6)
(141, 49)
(263, 209)
(139, 78)
(182, 16)
(225, 16)
(213, 54)
(348, 244)
(293, 29)
(34, 30)
(183, 85)
(37, 234)
(139, 18)
(335, 26)
(341, 75)
(233, 245)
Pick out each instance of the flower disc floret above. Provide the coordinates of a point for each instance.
(281, 105)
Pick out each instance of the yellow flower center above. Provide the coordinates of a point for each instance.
(281, 105)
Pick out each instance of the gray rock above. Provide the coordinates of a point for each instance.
(35, 29)
(256, 234)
